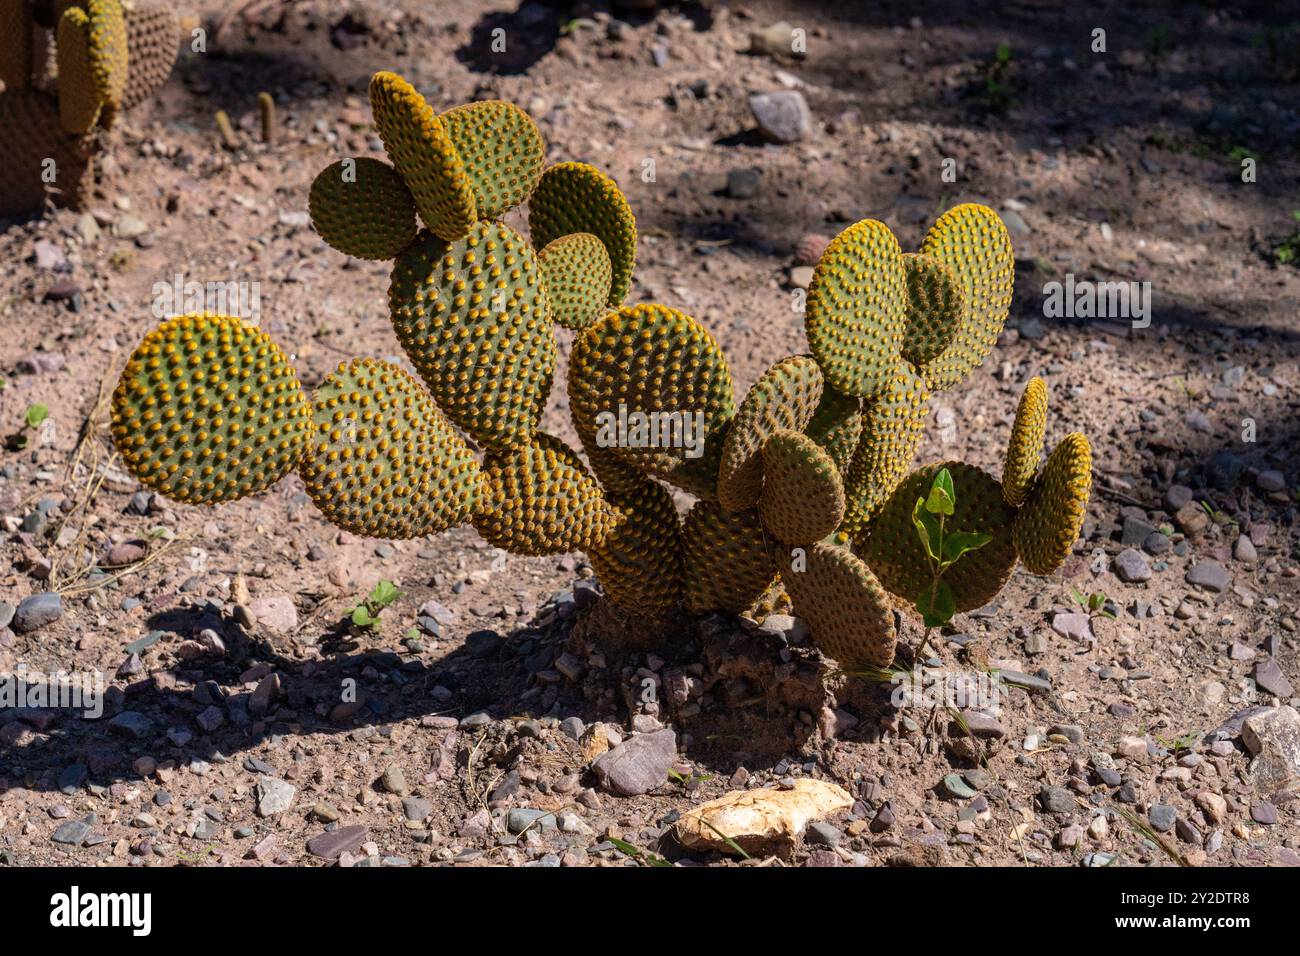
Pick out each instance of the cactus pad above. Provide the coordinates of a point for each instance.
(836, 425)
(208, 409)
(847, 611)
(383, 461)
(420, 147)
(1025, 449)
(575, 197)
(472, 316)
(153, 35)
(895, 553)
(362, 208)
(577, 274)
(856, 309)
(15, 44)
(726, 560)
(540, 499)
(803, 498)
(784, 397)
(972, 241)
(639, 564)
(1049, 522)
(891, 430)
(502, 151)
(80, 100)
(32, 134)
(108, 49)
(934, 308)
(649, 358)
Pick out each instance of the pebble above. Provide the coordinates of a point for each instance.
(637, 765)
(274, 796)
(956, 787)
(1056, 799)
(1162, 817)
(416, 810)
(71, 833)
(332, 843)
(37, 611)
(1272, 735)
(394, 780)
(743, 183)
(1209, 575)
(522, 818)
(1269, 677)
(1073, 624)
(1244, 550)
(130, 723)
(1214, 806)
(1263, 812)
(1131, 566)
(275, 612)
(1271, 481)
(782, 116)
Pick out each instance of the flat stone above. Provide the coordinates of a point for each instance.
(1209, 575)
(416, 809)
(71, 833)
(275, 612)
(394, 780)
(525, 818)
(130, 723)
(637, 765)
(955, 786)
(1073, 624)
(1057, 800)
(330, 844)
(1162, 817)
(274, 796)
(1271, 481)
(1269, 677)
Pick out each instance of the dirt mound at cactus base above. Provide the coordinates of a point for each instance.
(483, 722)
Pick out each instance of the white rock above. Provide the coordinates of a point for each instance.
(761, 820)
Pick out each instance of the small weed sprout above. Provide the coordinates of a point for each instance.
(1287, 252)
(366, 614)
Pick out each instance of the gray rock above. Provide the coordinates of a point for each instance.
(130, 723)
(330, 844)
(1057, 799)
(1269, 677)
(1209, 575)
(6, 613)
(522, 818)
(394, 780)
(37, 611)
(820, 833)
(1244, 550)
(572, 727)
(1271, 481)
(71, 833)
(1157, 542)
(1162, 817)
(782, 116)
(742, 183)
(637, 765)
(955, 786)
(274, 796)
(1273, 737)
(72, 777)
(1132, 567)
(1135, 531)
(1071, 732)
(416, 809)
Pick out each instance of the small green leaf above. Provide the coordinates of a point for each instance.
(383, 594)
(927, 528)
(938, 610)
(943, 498)
(958, 543)
(35, 415)
(361, 617)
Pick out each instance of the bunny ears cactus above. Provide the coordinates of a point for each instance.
(109, 57)
(801, 486)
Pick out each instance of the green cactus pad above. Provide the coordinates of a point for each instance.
(643, 359)
(208, 409)
(1048, 524)
(153, 36)
(836, 425)
(725, 557)
(472, 316)
(577, 274)
(420, 148)
(15, 44)
(108, 49)
(895, 553)
(1025, 449)
(891, 429)
(856, 309)
(575, 197)
(383, 461)
(639, 564)
(972, 241)
(540, 499)
(502, 150)
(935, 308)
(32, 134)
(362, 208)
(784, 397)
(803, 498)
(80, 100)
(847, 611)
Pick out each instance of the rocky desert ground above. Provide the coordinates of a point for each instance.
(245, 724)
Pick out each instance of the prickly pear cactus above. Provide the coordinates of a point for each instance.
(109, 56)
(802, 488)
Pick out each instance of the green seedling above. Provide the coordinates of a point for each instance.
(998, 94)
(1094, 603)
(366, 614)
(1287, 252)
(643, 856)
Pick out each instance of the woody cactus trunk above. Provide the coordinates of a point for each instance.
(109, 56)
(803, 484)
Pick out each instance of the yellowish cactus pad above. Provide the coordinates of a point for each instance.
(502, 151)
(1025, 448)
(1048, 524)
(847, 611)
(362, 208)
